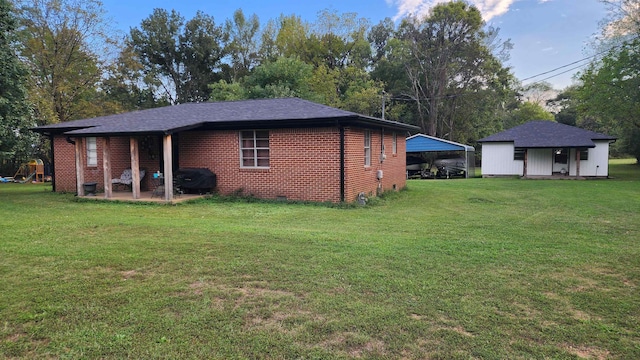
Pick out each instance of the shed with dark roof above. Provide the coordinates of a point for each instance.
(546, 149)
(269, 148)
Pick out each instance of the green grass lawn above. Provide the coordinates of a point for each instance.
(477, 268)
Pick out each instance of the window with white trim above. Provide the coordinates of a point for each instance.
(394, 144)
(92, 152)
(367, 148)
(254, 149)
(584, 153)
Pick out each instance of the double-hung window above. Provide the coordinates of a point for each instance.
(92, 152)
(367, 148)
(394, 144)
(254, 149)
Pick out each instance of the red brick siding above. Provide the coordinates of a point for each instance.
(64, 164)
(65, 173)
(361, 178)
(304, 163)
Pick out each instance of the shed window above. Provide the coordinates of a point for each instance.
(92, 152)
(518, 154)
(584, 153)
(367, 148)
(254, 149)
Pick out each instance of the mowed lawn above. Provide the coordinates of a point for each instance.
(448, 269)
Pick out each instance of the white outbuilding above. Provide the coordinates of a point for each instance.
(541, 149)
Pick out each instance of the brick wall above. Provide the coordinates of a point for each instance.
(65, 166)
(361, 178)
(304, 163)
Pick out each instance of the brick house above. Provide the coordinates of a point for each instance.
(270, 148)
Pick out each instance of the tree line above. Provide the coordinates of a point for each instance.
(61, 60)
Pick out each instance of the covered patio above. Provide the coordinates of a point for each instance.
(144, 197)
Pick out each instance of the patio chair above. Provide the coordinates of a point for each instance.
(126, 179)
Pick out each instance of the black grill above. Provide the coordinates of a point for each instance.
(195, 180)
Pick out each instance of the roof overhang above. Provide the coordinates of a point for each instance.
(243, 114)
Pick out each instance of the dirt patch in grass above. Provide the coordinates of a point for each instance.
(586, 352)
(457, 329)
(371, 347)
(126, 275)
(354, 345)
(565, 304)
(15, 337)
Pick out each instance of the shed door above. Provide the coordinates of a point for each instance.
(561, 161)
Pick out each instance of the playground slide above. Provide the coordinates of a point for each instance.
(27, 179)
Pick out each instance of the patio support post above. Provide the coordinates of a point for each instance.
(79, 167)
(168, 167)
(577, 162)
(135, 167)
(106, 166)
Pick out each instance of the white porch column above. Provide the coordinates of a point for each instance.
(106, 166)
(135, 167)
(168, 167)
(79, 166)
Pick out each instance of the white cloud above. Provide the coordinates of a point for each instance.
(488, 8)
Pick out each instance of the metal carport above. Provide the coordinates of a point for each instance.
(420, 143)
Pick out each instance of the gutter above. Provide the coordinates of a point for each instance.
(341, 162)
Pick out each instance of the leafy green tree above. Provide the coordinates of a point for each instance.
(182, 57)
(285, 77)
(609, 93)
(608, 99)
(565, 106)
(290, 37)
(125, 87)
(243, 46)
(527, 111)
(16, 141)
(224, 91)
(442, 72)
(58, 47)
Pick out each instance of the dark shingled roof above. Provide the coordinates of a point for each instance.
(547, 134)
(268, 113)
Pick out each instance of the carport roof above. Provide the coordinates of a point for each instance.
(426, 143)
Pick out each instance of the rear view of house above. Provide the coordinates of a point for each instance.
(270, 148)
(544, 149)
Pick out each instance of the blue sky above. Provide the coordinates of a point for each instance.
(546, 33)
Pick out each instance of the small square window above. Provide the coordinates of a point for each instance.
(254, 149)
(584, 153)
(518, 154)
